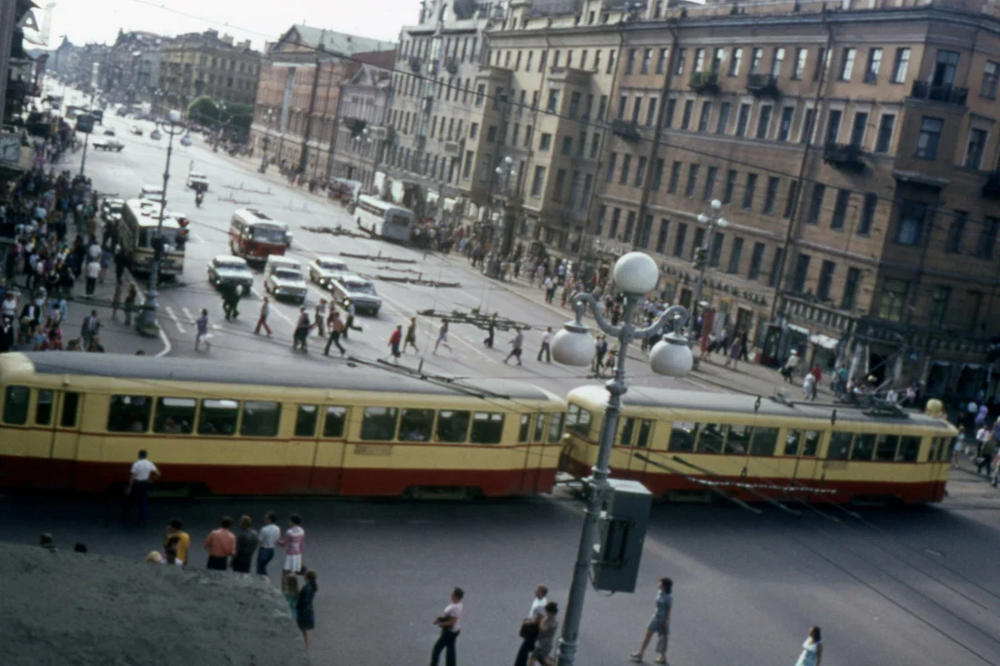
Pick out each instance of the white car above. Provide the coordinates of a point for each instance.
(357, 290)
(196, 180)
(324, 270)
(283, 279)
(152, 193)
(111, 209)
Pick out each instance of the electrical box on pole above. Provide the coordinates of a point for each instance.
(622, 530)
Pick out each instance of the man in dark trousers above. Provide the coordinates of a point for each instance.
(451, 625)
(491, 330)
(142, 474)
(231, 300)
(529, 627)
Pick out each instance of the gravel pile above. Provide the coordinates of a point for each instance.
(67, 609)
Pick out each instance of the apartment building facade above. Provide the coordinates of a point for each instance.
(295, 111)
(207, 63)
(363, 133)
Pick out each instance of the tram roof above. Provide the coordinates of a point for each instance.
(342, 377)
(737, 403)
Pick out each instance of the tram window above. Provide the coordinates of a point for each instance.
(129, 413)
(71, 403)
(416, 425)
(260, 419)
(525, 430)
(555, 427)
(305, 421)
(711, 437)
(174, 416)
(864, 446)
(946, 449)
(810, 446)
(645, 430)
(627, 432)
(335, 419)
(764, 441)
(885, 448)
(487, 427)
(453, 427)
(909, 449)
(379, 423)
(15, 405)
(934, 451)
(840, 445)
(792, 439)
(578, 420)
(682, 436)
(539, 434)
(739, 439)
(218, 417)
(43, 407)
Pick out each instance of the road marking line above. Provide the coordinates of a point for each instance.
(187, 313)
(177, 322)
(197, 237)
(166, 344)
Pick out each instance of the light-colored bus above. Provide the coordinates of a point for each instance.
(382, 219)
(137, 229)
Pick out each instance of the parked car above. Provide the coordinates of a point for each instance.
(225, 269)
(357, 290)
(109, 145)
(325, 270)
(111, 209)
(197, 181)
(109, 131)
(136, 130)
(283, 279)
(152, 193)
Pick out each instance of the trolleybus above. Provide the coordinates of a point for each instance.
(138, 227)
(383, 219)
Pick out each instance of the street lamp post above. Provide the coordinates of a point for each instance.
(505, 171)
(712, 221)
(635, 274)
(146, 322)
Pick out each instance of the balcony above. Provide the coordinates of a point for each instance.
(705, 82)
(991, 188)
(451, 65)
(414, 64)
(626, 130)
(843, 155)
(763, 85)
(944, 94)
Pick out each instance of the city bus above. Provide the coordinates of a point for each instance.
(690, 445)
(137, 229)
(255, 236)
(76, 422)
(383, 219)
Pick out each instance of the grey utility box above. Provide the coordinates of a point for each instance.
(623, 521)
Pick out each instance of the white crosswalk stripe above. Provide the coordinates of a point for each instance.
(173, 316)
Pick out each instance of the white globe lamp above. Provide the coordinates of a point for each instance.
(573, 346)
(671, 356)
(636, 273)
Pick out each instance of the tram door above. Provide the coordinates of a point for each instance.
(322, 429)
(805, 446)
(60, 413)
(635, 437)
(531, 435)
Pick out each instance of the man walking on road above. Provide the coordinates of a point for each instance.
(411, 336)
(394, 339)
(349, 324)
(91, 327)
(546, 347)
(320, 317)
(269, 536)
(220, 544)
(451, 625)
(491, 330)
(265, 311)
(529, 627)
(301, 335)
(517, 343)
(142, 474)
(550, 289)
(336, 329)
(202, 333)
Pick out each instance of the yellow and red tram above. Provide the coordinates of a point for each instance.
(75, 422)
(680, 444)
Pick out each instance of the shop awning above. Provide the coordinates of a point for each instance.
(799, 329)
(449, 204)
(824, 341)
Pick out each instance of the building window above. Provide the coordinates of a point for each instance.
(644, 230)
(801, 273)
(681, 55)
(939, 305)
(491, 134)
(930, 136)
(734, 64)
(616, 215)
(668, 114)
(699, 241)
(748, 191)
(611, 61)
(991, 73)
(764, 121)
(640, 172)
(636, 110)
(595, 144)
(706, 112)
(779, 59)
(945, 68)
(661, 61)
(574, 105)
(557, 188)
(893, 299)
(679, 241)
(612, 160)
(840, 209)
(825, 280)
(858, 128)
(953, 244)
(771, 195)
(715, 253)
(692, 181)
(734, 255)
(801, 55)
(717, 57)
(885, 127)
(833, 125)
(480, 94)
(874, 63)
(686, 117)
(867, 214)
(630, 61)
(626, 167)
(900, 65)
(756, 56)
(816, 204)
(727, 194)
(544, 141)
(850, 289)
(538, 181)
(647, 59)
(756, 261)
(785, 126)
(622, 104)
(742, 120)
(777, 266)
(975, 299)
(651, 112)
(710, 183)
(629, 227)
(974, 148)
(822, 63)
(807, 126)
(602, 213)
(987, 238)
(661, 238)
(657, 175)
(912, 215)
(567, 147)
(723, 122)
(675, 177)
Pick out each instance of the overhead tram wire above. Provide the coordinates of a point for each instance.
(527, 107)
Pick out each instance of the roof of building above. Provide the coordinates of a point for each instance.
(338, 42)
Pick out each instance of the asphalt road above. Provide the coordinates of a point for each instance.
(894, 588)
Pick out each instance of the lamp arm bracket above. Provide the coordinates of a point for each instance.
(674, 311)
(580, 303)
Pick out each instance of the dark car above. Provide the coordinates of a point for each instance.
(225, 270)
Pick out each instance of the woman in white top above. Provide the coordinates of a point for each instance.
(812, 649)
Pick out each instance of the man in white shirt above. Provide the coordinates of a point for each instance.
(546, 348)
(143, 473)
(269, 536)
(529, 627)
(451, 625)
